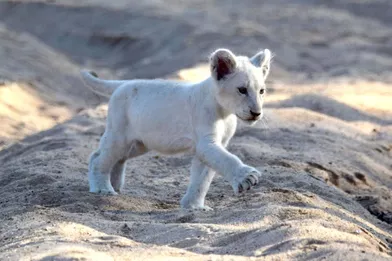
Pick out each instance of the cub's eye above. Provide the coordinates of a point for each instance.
(262, 91)
(243, 90)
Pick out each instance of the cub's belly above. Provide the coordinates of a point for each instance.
(162, 126)
(173, 146)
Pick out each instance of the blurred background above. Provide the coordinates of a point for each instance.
(312, 39)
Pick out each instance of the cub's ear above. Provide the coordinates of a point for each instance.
(222, 63)
(262, 60)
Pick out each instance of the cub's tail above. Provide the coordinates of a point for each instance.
(102, 87)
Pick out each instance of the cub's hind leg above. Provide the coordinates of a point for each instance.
(111, 150)
(117, 175)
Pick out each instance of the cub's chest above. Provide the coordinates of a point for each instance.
(228, 128)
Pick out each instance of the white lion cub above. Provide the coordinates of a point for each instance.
(173, 117)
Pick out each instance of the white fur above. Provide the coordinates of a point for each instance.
(173, 117)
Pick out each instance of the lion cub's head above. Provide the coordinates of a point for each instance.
(240, 82)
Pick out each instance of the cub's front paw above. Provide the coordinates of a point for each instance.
(198, 208)
(193, 205)
(104, 192)
(245, 178)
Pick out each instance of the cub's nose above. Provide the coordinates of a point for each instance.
(255, 114)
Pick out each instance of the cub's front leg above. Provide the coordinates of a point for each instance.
(201, 177)
(241, 177)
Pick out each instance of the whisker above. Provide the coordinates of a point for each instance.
(264, 123)
(266, 118)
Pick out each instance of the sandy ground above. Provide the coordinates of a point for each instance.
(324, 148)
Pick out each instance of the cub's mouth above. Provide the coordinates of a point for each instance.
(249, 120)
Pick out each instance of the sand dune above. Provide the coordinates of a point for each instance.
(298, 211)
(324, 148)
